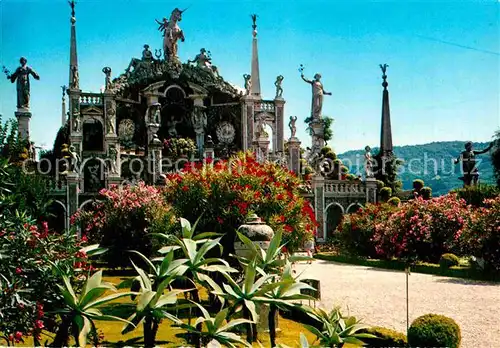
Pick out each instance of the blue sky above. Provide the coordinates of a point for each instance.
(439, 91)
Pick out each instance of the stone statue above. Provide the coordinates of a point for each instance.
(203, 60)
(368, 162)
(74, 158)
(23, 82)
(291, 124)
(199, 121)
(317, 95)
(171, 124)
(107, 73)
(171, 33)
(112, 152)
(76, 123)
(75, 83)
(261, 128)
(156, 117)
(468, 158)
(279, 89)
(111, 119)
(248, 83)
(147, 55)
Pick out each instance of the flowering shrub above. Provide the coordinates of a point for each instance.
(356, 231)
(224, 193)
(481, 237)
(28, 291)
(122, 218)
(178, 147)
(422, 229)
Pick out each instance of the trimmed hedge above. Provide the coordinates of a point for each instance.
(434, 330)
(385, 337)
(449, 260)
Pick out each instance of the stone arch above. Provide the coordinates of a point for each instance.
(353, 207)
(86, 203)
(94, 169)
(171, 87)
(332, 217)
(93, 135)
(58, 219)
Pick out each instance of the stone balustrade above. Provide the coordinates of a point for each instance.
(265, 106)
(91, 99)
(345, 187)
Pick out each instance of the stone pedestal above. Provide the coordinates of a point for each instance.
(371, 190)
(278, 134)
(294, 155)
(73, 180)
(23, 117)
(247, 122)
(155, 159)
(318, 186)
(263, 146)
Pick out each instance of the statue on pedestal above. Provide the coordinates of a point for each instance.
(368, 162)
(291, 124)
(317, 93)
(76, 123)
(279, 89)
(107, 73)
(171, 33)
(468, 158)
(199, 121)
(74, 159)
(248, 83)
(75, 83)
(203, 60)
(110, 119)
(112, 153)
(23, 82)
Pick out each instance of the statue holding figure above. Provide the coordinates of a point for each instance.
(199, 121)
(291, 124)
(203, 60)
(317, 94)
(368, 162)
(22, 74)
(74, 159)
(468, 159)
(279, 89)
(171, 33)
(248, 83)
(110, 118)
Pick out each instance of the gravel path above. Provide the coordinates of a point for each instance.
(378, 297)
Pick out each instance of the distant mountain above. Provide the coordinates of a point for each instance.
(432, 163)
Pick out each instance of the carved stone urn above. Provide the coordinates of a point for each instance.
(257, 231)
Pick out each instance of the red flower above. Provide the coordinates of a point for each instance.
(39, 324)
(19, 270)
(84, 239)
(18, 335)
(288, 228)
(185, 188)
(281, 218)
(220, 220)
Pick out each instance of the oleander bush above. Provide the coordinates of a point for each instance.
(422, 230)
(449, 260)
(385, 337)
(481, 236)
(223, 194)
(123, 218)
(433, 330)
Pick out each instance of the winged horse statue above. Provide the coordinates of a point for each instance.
(171, 33)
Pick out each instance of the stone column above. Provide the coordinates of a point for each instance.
(111, 142)
(278, 143)
(151, 125)
(318, 186)
(73, 181)
(247, 122)
(294, 155)
(75, 120)
(371, 190)
(155, 159)
(23, 117)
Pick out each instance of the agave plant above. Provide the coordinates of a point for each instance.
(152, 306)
(336, 330)
(81, 310)
(243, 296)
(215, 331)
(270, 260)
(283, 296)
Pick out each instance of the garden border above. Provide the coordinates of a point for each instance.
(421, 267)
